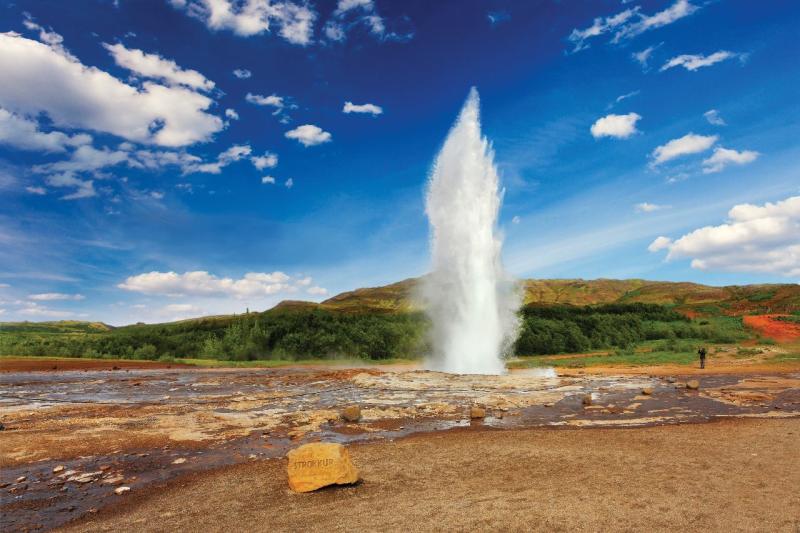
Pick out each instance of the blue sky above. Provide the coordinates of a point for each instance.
(162, 159)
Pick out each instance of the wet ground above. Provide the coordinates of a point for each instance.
(73, 438)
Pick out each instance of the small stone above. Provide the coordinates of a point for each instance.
(113, 480)
(105, 468)
(57, 469)
(477, 412)
(587, 399)
(549, 404)
(20, 479)
(693, 384)
(252, 456)
(316, 465)
(179, 461)
(647, 391)
(121, 490)
(351, 413)
(671, 380)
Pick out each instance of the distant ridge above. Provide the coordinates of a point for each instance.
(692, 299)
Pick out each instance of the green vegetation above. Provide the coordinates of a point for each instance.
(567, 329)
(307, 332)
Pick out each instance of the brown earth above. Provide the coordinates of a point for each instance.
(29, 364)
(769, 326)
(734, 475)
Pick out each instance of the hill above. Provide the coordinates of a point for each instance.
(691, 298)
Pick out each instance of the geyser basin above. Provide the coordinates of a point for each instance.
(471, 302)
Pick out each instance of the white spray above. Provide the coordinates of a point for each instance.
(471, 302)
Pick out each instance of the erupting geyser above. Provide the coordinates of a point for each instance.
(471, 302)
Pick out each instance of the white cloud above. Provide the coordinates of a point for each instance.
(156, 67)
(677, 11)
(317, 291)
(295, 21)
(599, 26)
(231, 114)
(251, 285)
(350, 107)
(334, 31)
(33, 309)
(40, 78)
(273, 100)
(756, 238)
(618, 126)
(625, 96)
(242, 73)
(722, 157)
(268, 180)
(646, 207)
(643, 57)
(516, 220)
(353, 13)
(36, 190)
(24, 134)
(86, 158)
(156, 195)
(660, 243)
(51, 296)
(237, 152)
(268, 160)
(82, 188)
(308, 135)
(713, 117)
(346, 5)
(688, 144)
(289, 183)
(692, 62)
(630, 23)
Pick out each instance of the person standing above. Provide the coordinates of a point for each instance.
(702, 353)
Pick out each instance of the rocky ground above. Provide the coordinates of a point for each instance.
(79, 442)
(733, 475)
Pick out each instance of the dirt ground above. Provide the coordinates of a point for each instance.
(30, 364)
(733, 475)
(769, 326)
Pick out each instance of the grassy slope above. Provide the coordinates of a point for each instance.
(692, 298)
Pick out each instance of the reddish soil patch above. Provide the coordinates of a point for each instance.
(24, 364)
(769, 326)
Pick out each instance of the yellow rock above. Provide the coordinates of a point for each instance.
(693, 384)
(316, 465)
(477, 412)
(352, 413)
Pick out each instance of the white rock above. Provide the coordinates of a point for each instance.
(121, 490)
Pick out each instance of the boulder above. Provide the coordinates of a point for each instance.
(477, 412)
(587, 399)
(351, 413)
(693, 384)
(319, 464)
(647, 391)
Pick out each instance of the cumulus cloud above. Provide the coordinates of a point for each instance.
(308, 135)
(722, 157)
(41, 78)
(756, 238)
(647, 207)
(51, 296)
(24, 134)
(692, 62)
(688, 144)
(295, 21)
(242, 73)
(618, 126)
(713, 117)
(372, 109)
(231, 114)
(268, 160)
(156, 67)
(200, 283)
(268, 180)
(630, 23)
